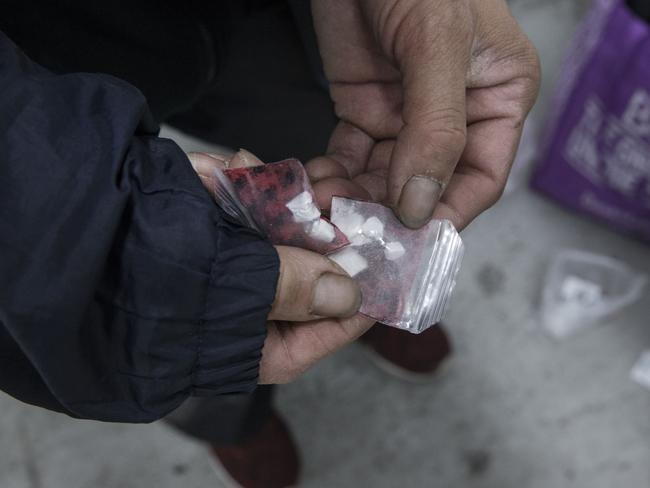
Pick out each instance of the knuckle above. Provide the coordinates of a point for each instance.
(527, 57)
(496, 188)
(496, 193)
(526, 78)
(530, 62)
(454, 137)
(488, 185)
(446, 133)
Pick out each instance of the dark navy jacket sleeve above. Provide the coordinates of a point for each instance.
(123, 288)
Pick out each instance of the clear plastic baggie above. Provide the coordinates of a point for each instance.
(406, 276)
(277, 200)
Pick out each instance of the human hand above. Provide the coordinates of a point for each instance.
(431, 96)
(316, 302)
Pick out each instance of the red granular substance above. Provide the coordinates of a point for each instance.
(265, 191)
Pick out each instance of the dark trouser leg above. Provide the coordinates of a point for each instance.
(224, 420)
(268, 98)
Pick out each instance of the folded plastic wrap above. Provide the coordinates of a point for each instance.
(582, 289)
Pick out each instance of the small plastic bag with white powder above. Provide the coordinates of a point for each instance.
(583, 289)
(406, 276)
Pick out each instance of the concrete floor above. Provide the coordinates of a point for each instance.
(513, 409)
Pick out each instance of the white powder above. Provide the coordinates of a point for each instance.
(350, 260)
(322, 230)
(358, 240)
(303, 208)
(350, 224)
(373, 228)
(394, 250)
(580, 291)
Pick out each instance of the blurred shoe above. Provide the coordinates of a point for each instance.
(267, 460)
(410, 357)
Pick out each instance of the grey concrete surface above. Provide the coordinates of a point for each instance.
(513, 409)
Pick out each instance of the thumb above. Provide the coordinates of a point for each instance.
(433, 57)
(311, 286)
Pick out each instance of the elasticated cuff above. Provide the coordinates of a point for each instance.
(242, 288)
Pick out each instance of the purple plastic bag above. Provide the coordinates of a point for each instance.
(597, 148)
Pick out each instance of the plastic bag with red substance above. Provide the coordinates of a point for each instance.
(277, 200)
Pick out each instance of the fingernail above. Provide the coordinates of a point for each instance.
(204, 163)
(336, 296)
(419, 198)
(244, 159)
(219, 157)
